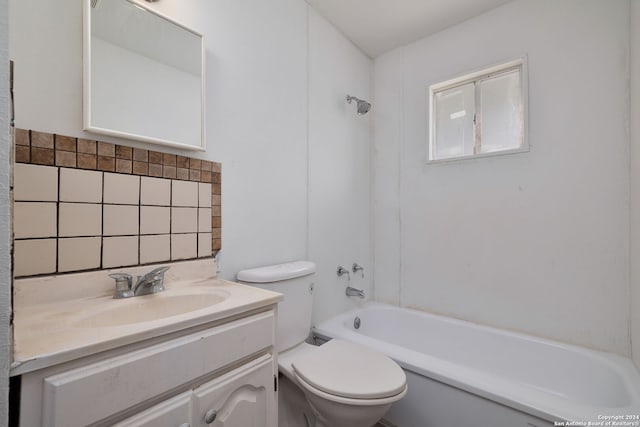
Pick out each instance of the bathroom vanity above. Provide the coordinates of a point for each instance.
(198, 354)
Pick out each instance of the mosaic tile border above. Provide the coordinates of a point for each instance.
(42, 148)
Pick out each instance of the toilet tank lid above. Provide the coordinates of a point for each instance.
(276, 273)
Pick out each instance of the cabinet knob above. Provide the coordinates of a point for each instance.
(210, 416)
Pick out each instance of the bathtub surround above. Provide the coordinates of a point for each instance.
(635, 180)
(535, 242)
(84, 216)
(385, 187)
(339, 199)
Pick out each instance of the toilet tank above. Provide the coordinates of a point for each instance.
(295, 281)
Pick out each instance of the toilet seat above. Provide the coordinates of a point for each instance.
(351, 372)
(350, 401)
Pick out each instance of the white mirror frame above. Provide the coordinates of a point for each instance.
(87, 123)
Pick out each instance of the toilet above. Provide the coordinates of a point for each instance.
(345, 384)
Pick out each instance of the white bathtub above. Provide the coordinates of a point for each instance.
(460, 373)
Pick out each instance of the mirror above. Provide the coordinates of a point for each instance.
(143, 75)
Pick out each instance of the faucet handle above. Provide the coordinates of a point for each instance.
(122, 278)
(123, 285)
(357, 267)
(158, 271)
(341, 271)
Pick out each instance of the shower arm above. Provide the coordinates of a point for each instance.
(352, 98)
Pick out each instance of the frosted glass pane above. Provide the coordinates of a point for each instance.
(500, 106)
(454, 110)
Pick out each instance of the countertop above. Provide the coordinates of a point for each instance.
(53, 324)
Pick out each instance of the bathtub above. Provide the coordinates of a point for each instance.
(463, 374)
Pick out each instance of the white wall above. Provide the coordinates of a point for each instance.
(5, 227)
(635, 180)
(339, 140)
(535, 242)
(256, 59)
(388, 133)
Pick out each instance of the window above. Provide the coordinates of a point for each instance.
(479, 114)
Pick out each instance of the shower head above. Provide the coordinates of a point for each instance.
(363, 106)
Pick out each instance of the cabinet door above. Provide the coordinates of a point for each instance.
(174, 412)
(121, 382)
(244, 397)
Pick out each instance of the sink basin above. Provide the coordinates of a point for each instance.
(150, 307)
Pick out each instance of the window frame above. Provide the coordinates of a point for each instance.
(518, 64)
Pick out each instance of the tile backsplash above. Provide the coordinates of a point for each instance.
(84, 205)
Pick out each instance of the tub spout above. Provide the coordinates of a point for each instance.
(353, 292)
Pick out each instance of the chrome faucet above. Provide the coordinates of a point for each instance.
(342, 271)
(353, 292)
(150, 283)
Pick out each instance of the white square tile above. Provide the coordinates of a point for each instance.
(155, 191)
(184, 246)
(35, 219)
(204, 220)
(33, 257)
(36, 183)
(184, 220)
(155, 248)
(184, 193)
(121, 189)
(78, 254)
(155, 220)
(204, 245)
(204, 195)
(80, 219)
(119, 251)
(78, 185)
(120, 220)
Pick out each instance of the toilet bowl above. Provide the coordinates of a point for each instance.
(345, 384)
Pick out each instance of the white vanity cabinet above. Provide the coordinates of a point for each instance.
(222, 374)
(242, 398)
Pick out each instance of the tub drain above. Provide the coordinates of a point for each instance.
(356, 322)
